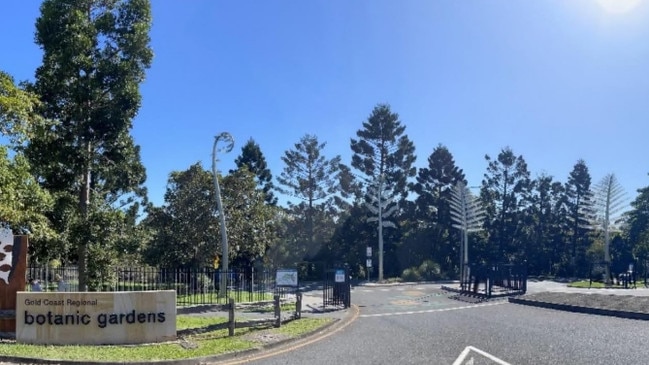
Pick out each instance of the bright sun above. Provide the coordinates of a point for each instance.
(618, 6)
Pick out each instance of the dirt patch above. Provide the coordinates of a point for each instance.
(266, 337)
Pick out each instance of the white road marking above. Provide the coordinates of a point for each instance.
(489, 356)
(430, 310)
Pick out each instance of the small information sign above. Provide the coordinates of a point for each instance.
(286, 277)
(340, 276)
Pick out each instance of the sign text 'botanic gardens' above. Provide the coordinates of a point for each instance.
(96, 318)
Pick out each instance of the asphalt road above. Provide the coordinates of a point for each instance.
(421, 325)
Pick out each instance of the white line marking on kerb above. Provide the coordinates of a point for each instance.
(429, 310)
(489, 356)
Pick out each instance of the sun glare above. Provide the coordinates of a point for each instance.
(618, 6)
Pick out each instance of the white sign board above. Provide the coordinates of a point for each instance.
(368, 263)
(368, 251)
(340, 276)
(95, 318)
(6, 240)
(286, 277)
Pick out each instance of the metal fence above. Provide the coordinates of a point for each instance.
(193, 286)
(494, 280)
(336, 289)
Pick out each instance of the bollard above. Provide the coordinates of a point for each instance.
(298, 305)
(278, 314)
(231, 323)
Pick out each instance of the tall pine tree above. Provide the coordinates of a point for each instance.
(95, 54)
(313, 178)
(384, 150)
(434, 186)
(579, 201)
(505, 192)
(252, 157)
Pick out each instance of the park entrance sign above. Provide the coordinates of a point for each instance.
(93, 318)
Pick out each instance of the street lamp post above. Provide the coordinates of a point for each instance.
(225, 137)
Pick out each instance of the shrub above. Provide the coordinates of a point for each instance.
(411, 274)
(429, 270)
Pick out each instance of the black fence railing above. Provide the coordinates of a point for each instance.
(494, 280)
(626, 278)
(336, 289)
(193, 286)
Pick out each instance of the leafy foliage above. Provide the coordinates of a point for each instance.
(311, 177)
(23, 203)
(251, 229)
(637, 224)
(95, 53)
(252, 158)
(505, 192)
(18, 116)
(579, 212)
(383, 149)
(185, 229)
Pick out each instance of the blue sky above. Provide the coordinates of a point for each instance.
(555, 80)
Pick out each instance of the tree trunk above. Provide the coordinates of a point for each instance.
(84, 202)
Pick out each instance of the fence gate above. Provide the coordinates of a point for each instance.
(336, 289)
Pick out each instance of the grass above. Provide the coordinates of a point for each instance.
(213, 298)
(205, 344)
(285, 308)
(594, 285)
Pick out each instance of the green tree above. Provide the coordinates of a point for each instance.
(252, 157)
(384, 156)
(433, 187)
(384, 150)
(542, 225)
(251, 229)
(309, 176)
(637, 219)
(95, 53)
(579, 211)
(23, 203)
(18, 115)
(185, 228)
(505, 193)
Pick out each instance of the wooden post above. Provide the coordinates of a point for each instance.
(231, 322)
(278, 314)
(16, 255)
(298, 305)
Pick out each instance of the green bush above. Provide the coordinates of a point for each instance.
(411, 274)
(429, 270)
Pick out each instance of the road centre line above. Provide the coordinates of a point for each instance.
(430, 310)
